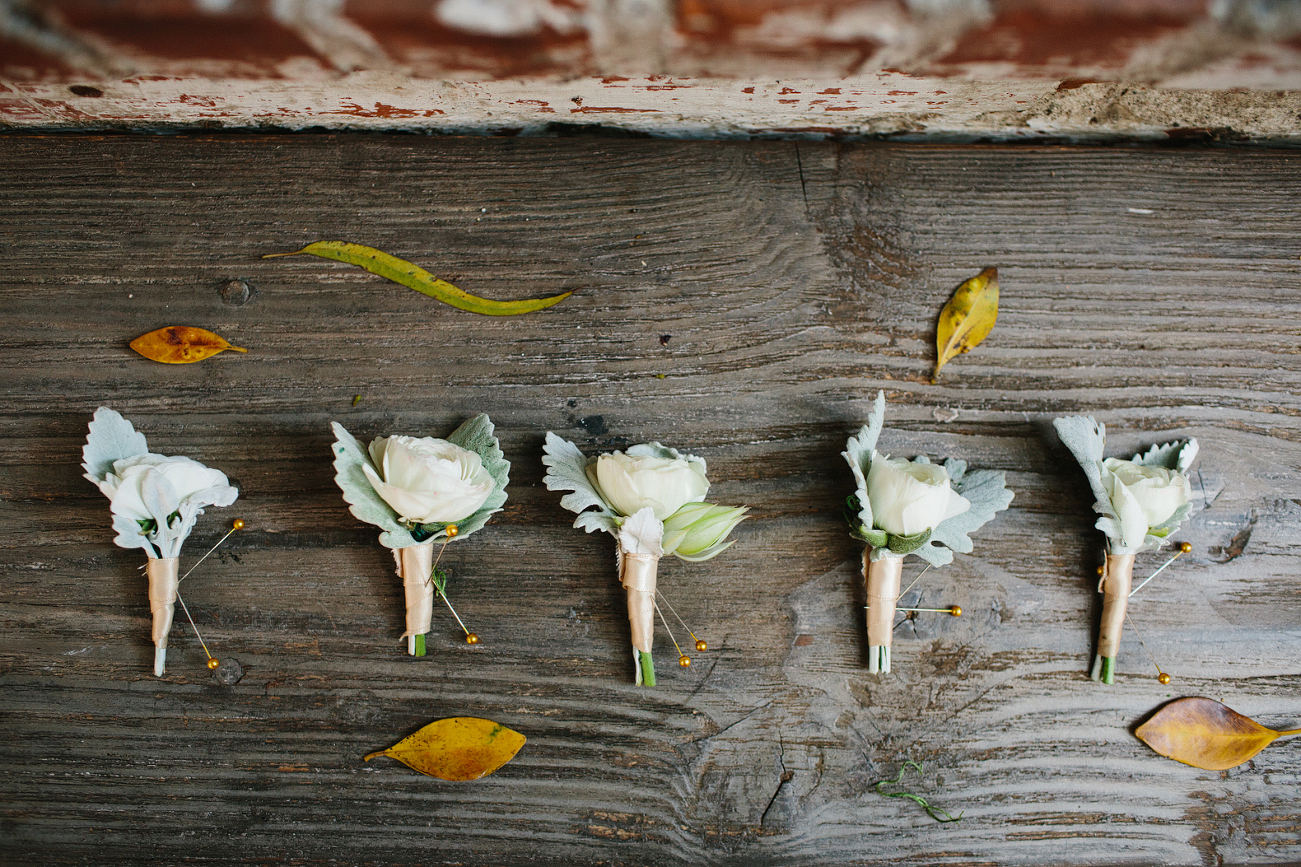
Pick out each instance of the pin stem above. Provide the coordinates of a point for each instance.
(192, 626)
(675, 614)
(238, 525)
(1177, 555)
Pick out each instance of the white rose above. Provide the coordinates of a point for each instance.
(632, 483)
(188, 480)
(1143, 496)
(909, 498)
(427, 480)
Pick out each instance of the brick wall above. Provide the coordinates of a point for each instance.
(1046, 69)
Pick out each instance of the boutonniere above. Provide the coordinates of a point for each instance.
(420, 491)
(1140, 502)
(155, 501)
(652, 500)
(906, 507)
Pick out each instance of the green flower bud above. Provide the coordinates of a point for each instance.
(696, 531)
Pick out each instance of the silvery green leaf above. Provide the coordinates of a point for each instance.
(642, 533)
(1186, 456)
(364, 503)
(567, 471)
(1086, 439)
(476, 435)
(589, 521)
(129, 535)
(988, 494)
(858, 453)
(111, 439)
(1163, 455)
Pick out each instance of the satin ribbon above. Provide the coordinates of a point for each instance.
(883, 578)
(164, 586)
(415, 566)
(637, 574)
(1117, 578)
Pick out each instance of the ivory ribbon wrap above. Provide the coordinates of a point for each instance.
(883, 577)
(164, 585)
(415, 566)
(1117, 578)
(637, 574)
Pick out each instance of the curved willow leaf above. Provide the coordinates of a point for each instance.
(417, 278)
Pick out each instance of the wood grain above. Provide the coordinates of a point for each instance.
(1153, 289)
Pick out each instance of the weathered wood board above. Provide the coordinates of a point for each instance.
(741, 301)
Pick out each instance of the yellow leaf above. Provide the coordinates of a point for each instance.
(459, 748)
(180, 344)
(414, 277)
(967, 318)
(1205, 734)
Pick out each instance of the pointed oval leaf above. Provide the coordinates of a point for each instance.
(417, 278)
(967, 318)
(458, 748)
(1205, 734)
(180, 344)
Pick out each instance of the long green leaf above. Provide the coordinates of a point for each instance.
(417, 278)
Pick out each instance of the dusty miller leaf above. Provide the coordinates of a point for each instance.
(567, 471)
(988, 494)
(858, 453)
(476, 435)
(111, 439)
(364, 503)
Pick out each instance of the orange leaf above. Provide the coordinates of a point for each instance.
(1205, 734)
(459, 748)
(180, 344)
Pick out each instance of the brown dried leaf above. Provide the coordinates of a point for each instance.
(1205, 734)
(180, 344)
(459, 748)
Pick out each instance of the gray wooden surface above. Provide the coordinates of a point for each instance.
(1157, 290)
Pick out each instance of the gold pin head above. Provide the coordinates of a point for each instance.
(451, 530)
(1185, 547)
(701, 646)
(238, 524)
(213, 663)
(471, 638)
(1164, 678)
(956, 610)
(684, 661)
(1101, 569)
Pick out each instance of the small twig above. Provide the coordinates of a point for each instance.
(931, 810)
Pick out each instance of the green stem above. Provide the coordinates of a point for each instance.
(420, 646)
(647, 668)
(1104, 669)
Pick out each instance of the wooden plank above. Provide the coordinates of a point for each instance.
(1153, 289)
